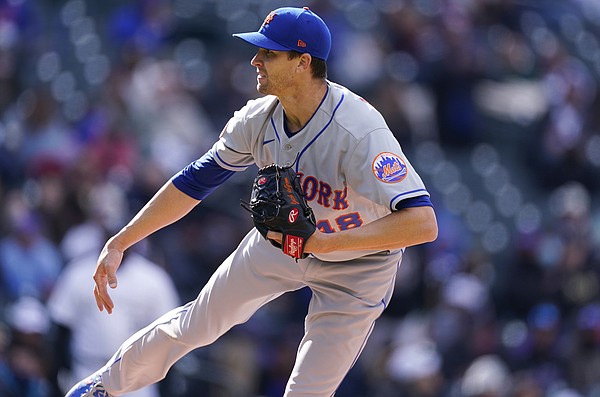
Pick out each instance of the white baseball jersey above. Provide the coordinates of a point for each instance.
(351, 167)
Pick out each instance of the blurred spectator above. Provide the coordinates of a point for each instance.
(24, 367)
(522, 284)
(571, 91)
(46, 139)
(525, 385)
(544, 352)
(462, 308)
(22, 373)
(29, 262)
(584, 351)
(487, 376)
(141, 26)
(176, 128)
(84, 335)
(417, 369)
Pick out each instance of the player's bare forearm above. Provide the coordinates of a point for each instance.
(403, 228)
(167, 206)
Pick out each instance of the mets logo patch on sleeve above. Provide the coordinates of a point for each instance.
(389, 167)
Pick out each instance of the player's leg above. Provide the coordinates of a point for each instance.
(347, 299)
(243, 283)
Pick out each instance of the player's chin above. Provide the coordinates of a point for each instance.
(261, 88)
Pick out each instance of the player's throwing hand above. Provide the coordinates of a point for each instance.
(108, 263)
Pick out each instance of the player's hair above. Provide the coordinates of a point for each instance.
(318, 66)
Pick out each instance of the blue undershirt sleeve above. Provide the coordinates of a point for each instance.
(201, 177)
(420, 201)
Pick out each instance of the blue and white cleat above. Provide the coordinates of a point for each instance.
(89, 387)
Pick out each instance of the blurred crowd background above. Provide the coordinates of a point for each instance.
(495, 102)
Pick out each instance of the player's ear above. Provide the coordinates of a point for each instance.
(304, 62)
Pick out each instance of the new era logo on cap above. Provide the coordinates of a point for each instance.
(292, 28)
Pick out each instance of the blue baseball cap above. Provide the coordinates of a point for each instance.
(292, 29)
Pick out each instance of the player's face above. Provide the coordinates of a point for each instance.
(275, 71)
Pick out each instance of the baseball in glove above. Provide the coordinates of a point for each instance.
(277, 203)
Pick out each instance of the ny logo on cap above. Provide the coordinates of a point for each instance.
(269, 18)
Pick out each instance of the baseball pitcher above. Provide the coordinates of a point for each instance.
(335, 205)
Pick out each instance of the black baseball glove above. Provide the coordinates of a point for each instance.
(277, 203)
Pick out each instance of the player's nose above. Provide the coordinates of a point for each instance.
(256, 60)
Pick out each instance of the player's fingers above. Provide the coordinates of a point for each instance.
(103, 300)
(101, 295)
(98, 299)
